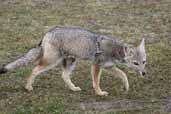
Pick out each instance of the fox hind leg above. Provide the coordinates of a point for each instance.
(37, 70)
(30, 80)
(49, 59)
(68, 67)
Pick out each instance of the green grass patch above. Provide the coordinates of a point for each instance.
(24, 23)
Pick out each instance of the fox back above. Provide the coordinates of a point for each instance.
(72, 41)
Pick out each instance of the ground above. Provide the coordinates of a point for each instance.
(23, 24)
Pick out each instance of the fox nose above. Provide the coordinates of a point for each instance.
(143, 73)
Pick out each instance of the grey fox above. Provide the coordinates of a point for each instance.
(68, 45)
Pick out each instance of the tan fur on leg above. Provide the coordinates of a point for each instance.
(96, 72)
(30, 80)
(68, 66)
(119, 73)
(43, 66)
(66, 77)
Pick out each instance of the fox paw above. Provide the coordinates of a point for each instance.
(126, 88)
(103, 93)
(76, 89)
(29, 88)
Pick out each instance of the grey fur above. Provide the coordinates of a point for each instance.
(31, 56)
(82, 44)
(76, 43)
(67, 45)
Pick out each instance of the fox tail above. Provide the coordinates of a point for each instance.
(31, 56)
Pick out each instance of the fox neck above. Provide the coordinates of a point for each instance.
(129, 53)
(123, 52)
(118, 52)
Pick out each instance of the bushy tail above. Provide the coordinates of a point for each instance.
(31, 56)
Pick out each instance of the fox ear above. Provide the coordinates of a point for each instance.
(142, 42)
(141, 47)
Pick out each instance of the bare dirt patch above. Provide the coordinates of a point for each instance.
(162, 105)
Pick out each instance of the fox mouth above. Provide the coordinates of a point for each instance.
(142, 74)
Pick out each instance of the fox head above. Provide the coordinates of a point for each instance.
(133, 57)
(136, 58)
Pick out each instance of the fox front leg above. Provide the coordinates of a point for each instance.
(120, 74)
(96, 72)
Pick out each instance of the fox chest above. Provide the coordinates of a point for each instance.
(104, 61)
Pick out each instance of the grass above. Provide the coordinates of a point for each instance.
(24, 23)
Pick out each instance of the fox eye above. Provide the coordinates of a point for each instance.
(136, 63)
(144, 62)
